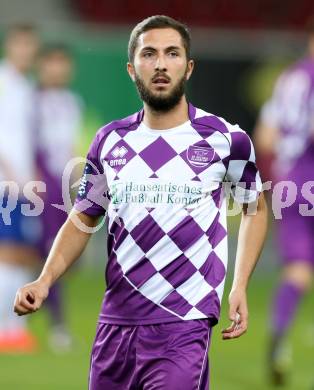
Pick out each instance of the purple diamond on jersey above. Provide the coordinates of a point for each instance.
(157, 154)
(217, 196)
(117, 233)
(147, 233)
(210, 305)
(206, 125)
(213, 270)
(186, 233)
(178, 271)
(141, 272)
(176, 303)
(215, 237)
(248, 178)
(119, 155)
(240, 146)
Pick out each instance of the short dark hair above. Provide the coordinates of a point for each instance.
(158, 21)
(21, 28)
(55, 48)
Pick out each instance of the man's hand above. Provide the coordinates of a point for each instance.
(238, 314)
(29, 298)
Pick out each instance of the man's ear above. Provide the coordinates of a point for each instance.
(131, 71)
(190, 68)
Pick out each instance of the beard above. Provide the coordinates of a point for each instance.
(161, 103)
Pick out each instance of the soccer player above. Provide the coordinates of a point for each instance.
(285, 129)
(159, 176)
(18, 233)
(57, 122)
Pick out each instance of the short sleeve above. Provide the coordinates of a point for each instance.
(289, 105)
(92, 196)
(271, 111)
(242, 172)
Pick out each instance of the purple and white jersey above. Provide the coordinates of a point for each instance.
(58, 119)
(166, 213)
(291, 111)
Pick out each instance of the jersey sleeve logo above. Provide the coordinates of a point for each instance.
(200, 156)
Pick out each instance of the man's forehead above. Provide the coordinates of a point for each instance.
(160, 38)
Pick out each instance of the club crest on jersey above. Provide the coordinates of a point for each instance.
(200, 156)
(118, 153)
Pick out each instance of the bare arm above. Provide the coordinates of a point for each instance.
(250, 242)
(7, 171)
(68, 246)
(265, 138)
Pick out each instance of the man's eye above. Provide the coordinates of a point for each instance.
(173, 54)
(148, 54)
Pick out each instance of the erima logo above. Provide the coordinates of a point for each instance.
(119, 152)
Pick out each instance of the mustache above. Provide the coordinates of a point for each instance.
(161, 74)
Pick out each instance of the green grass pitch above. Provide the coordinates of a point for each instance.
(235, 365)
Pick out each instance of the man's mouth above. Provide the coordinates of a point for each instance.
(161, 80)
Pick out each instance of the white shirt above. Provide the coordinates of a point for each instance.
(16, 141)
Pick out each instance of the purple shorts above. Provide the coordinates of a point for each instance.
(171, 356)
(296, 231)
(295, 237)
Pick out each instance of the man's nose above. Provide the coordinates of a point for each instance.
(160, 63)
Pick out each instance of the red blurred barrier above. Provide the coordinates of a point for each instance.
(222, 13)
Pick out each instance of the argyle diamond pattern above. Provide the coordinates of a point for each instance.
(173, 254)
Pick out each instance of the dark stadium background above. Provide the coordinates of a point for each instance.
(239, 47)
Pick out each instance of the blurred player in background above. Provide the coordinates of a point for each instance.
(18, 239)
(286, 131)
(58, 120)
(164, 168)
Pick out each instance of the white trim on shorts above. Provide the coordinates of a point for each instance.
(204, 358)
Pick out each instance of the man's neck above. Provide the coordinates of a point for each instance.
(166, 120)
(15, 67)
(311, 48)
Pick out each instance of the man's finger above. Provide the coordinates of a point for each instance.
(235, 322)
(230, 328)
(25, 303)
(20, 310)
(238, 331)
(234, 335)
(23, 300)
(232, 313)
(30, 297)
(37, 304)
(243, 314)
